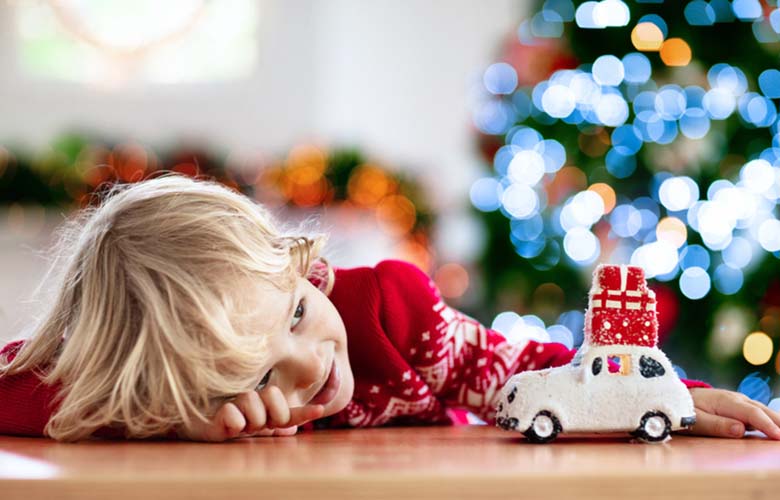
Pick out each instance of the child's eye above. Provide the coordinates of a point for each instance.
(264, 381)
(299, 312)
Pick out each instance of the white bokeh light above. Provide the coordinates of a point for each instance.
(678, 193)
(757, 175)
(527, 167)
(656, 258)
(769, 235)
(520, 201)
(558, 101)
(581, 245)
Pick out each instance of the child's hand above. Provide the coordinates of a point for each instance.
(254, 413)
(724, 413)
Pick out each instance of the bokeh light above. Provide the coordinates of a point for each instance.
(607, 195)
(452, 279)
(675, 52)
(500, 78)
(647, 37)
(756, 387)
(672, 230)
(757, 348)
(694, 283)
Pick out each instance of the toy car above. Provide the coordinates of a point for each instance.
(605, 389)
(618, 381)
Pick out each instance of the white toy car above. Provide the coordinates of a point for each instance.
(606, 388)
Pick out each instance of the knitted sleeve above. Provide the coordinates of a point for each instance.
(26, 403)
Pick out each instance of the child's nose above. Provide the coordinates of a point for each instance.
(309, 368)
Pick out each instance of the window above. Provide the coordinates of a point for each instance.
(147, 41)
(596, 367)
(619, 363)
(650, 368)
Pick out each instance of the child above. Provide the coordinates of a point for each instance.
(185, 311)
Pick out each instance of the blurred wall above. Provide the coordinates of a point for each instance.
(389, 76)
(392, 77)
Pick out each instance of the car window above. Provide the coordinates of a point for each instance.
(619, 364)
(650, 368)
(596, 366)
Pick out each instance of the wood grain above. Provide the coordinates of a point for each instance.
(393, 463)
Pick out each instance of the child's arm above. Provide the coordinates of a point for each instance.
(25, 401)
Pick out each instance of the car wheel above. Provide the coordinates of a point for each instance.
(544, 428)
(655, 426)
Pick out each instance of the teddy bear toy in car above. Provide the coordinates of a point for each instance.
(618, 381)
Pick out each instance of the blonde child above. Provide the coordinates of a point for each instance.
(183, 310)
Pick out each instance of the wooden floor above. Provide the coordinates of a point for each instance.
(393, 463)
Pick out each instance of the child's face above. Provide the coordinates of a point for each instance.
(307, 345)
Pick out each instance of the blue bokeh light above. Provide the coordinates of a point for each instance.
(494, 117)
(525, 138)
(719, 103)
(562, 335)
(739, 253)
(723, 12)
(694, 123)
(547, 24)
(553, 153)
(728, 280)
(670, 102)
(694, 95)
(694, 283)
(657, 20)
(694, 256)
(608, 70)
(500, 78)
(626, 221)
(626, 141)
(485, 194)
(527, 229)
(756, 387)
(637, 68)
(699, 13)
(620, 165)
(727, 77)
(747, 9)
(769, 80)
(564, 8)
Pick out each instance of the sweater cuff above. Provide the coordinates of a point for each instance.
(690, 384)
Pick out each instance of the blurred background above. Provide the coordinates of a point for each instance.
(505, 147)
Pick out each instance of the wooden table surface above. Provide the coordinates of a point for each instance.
(394, 463)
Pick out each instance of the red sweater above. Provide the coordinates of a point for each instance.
(413, 357)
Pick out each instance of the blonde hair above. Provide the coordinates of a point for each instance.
(140, 334)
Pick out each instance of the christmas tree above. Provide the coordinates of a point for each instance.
(645, 133)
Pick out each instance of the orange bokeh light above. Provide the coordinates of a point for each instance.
(452, 280)
(672, 230)
(369, 184)
(676, 52)
(396, 214)
(131, 162)
(567, 180)
(647, 37)
(607, 195)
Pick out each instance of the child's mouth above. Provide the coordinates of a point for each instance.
(331, 387)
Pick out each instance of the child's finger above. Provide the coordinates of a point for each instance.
(302, 414)
(252, 407)
(286, 431)
(773, 415)
(751, 415)
(228, 424)
(277, 410)
(708, 424)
